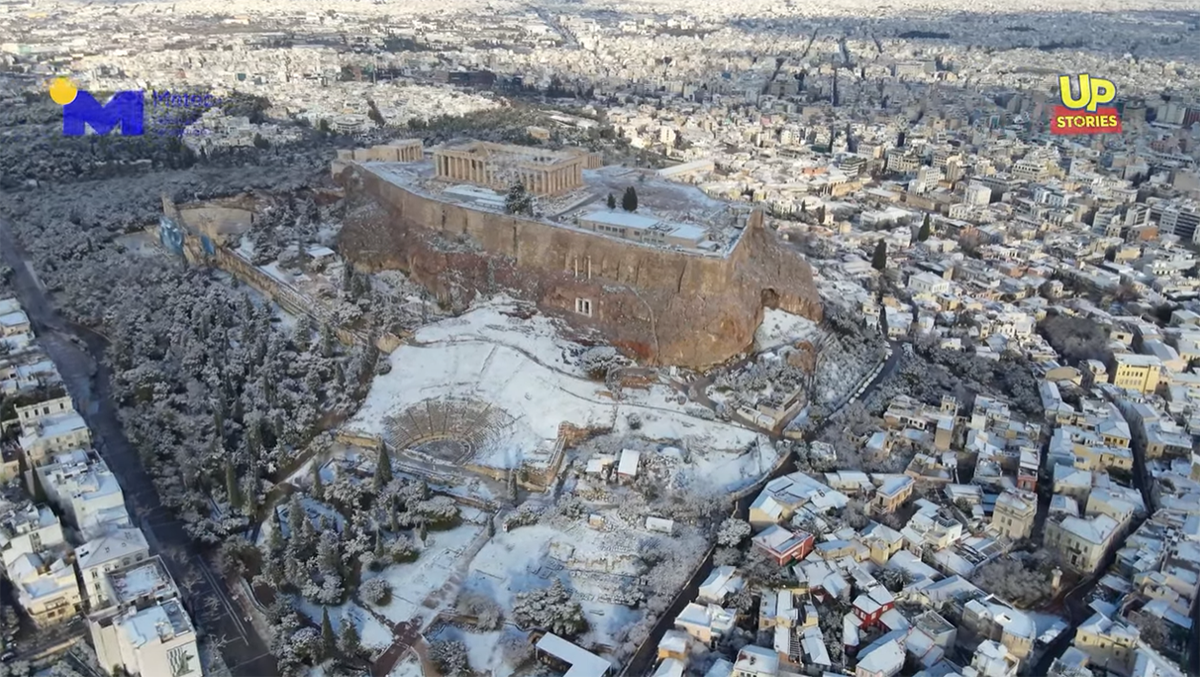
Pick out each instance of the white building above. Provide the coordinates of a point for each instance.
(119, 548)
(85, 491)
(928, 283)
(157, 641)
(46, 588)
(54, 434)
(28, 530)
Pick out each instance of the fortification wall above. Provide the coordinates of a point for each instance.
(659, 305)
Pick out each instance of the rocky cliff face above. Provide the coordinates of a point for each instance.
(661, 306)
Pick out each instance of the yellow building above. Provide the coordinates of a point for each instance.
(1082, 542)
(1137, 372)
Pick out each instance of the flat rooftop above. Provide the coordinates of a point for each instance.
(685, 208)
(139, 580)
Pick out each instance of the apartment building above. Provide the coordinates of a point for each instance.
(705, 623)
(155, 641)
(13, 320)
(1136, 372)
(143, 627)
(119, 548)
(1107, 642)
(28, 529)
(1081, 541)
(1015, 513)
(46, 587)
(53, 434)
(85, 491)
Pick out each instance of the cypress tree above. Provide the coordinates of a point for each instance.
(231, 486)
(629, 201)
(879, 258)
(318, 487)
(350, 643)
(383, 469)
(612, 201)
(923, 234)
(883, 321)
(328, 639)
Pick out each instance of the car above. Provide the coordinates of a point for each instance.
(7, 656)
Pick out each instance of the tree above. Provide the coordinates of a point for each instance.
(629, 201)
(518, 200)
(551, 609)
(732, 532)
(612, 201)
(376, 591)
(383, 470)
(883, 321)
(231, 486)
(328, 639)
(261, 142)
(318, 486)
(821, 215)
(450, 657)
(923, 233)
(348, 640)
(879, 258)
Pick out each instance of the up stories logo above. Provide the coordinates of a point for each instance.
(1084, 114)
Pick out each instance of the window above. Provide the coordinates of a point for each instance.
(583, 307)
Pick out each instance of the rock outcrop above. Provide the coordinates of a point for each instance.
(658, 305)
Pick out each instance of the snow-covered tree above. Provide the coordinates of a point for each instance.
(450, 657)
(376, 591)
(733, 532)
(551, 609)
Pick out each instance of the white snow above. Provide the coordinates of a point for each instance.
(407, 667)
(413, 582)
(779, 327)
(518, 366)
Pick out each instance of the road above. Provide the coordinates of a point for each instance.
(77, 352)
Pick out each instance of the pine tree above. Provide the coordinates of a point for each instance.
(318, 486)
(349, 642)
(629, 201)
(879, 258)
(231, 486)
(923, 234)
(275, 535)
(328, 639)
(518, 200)
(328, 340)
(383, 470)
(612, 201)
(250, 494)
(296, 518)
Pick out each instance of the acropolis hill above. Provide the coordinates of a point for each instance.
(681, 281)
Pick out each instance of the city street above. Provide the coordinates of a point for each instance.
(77, 352)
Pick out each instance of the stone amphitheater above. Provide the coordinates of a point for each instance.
(448, 431)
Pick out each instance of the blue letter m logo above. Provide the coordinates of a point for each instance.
(125, 109)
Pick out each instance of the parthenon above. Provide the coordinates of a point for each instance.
(498, 166)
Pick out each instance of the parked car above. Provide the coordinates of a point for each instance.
(7, 656)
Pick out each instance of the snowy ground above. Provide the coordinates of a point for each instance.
(414, 582)
(372, 634)
(407, 667)
(524, 367)
(779, 327)
(596, 563)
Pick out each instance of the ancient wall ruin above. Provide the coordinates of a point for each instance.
(659, 305)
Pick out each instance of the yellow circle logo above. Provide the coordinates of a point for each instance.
(62, 91)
